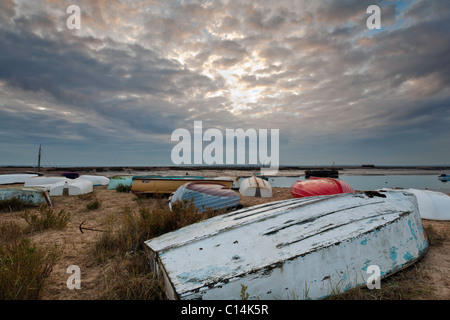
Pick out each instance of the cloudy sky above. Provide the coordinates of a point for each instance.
(112, 92)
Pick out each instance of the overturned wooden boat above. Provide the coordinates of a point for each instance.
(15, 178)
(124, 180)
(255, 187)
(206, 195)
(168, 184)
(432, 205)
(319, 187)
(307, 248)
(32, 195)
(73, 187)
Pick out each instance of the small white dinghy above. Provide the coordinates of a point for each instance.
(308, 247)
(15, 178)
(433, 205)
(72, 187)
(255, 187)
(96, 180)
(46, 181)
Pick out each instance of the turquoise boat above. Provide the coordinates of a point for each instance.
(115, 181)
(127, 180)
(32, 195)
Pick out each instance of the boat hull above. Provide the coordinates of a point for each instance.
(70, 175)
(46, 182)
(15, 178)
(432, 205)
(206, 195)
(322, 173)
(319, 187)
(32, 195)
(255, 187)
(307, 248)
(115, 181)
(73, 187)
(168, 185)
(96, 180)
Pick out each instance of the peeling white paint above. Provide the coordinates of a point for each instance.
(306, 248)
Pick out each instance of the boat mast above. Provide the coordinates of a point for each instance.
(39, 159)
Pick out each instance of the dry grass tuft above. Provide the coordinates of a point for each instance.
(24, 267)
(46, 218)
(14, 204)
(123, 246)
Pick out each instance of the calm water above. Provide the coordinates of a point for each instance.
(430, 182)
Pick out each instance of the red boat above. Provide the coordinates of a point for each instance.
(319, 187)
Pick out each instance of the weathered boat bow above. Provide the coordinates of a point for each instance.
(304, 248)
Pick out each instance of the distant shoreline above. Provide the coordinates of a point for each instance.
(228, 170)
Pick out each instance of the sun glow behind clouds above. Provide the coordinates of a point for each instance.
(241, 95)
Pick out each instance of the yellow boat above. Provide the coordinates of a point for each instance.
(170, 184)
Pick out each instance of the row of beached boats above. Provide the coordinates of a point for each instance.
(327, 239)
(215, 193)
(38, 189)
(308, 247)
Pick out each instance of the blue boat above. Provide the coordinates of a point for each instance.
(444, 177)
(206, 195)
